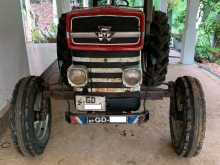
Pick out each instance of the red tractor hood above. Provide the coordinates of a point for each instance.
(102, 30)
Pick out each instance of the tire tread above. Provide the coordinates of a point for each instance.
(194, 132)
(22, 134)
(157, 45)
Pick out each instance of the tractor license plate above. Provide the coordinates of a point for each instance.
(90, 103)
(107, 119)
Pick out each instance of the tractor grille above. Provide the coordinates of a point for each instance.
(106, 30)
(105, 69)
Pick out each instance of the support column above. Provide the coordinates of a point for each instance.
(109, 2)
(85, 3)
(63, 6)
(28, 22)
(189, 38)
(55, 12)
(13, 56)
(164, 6)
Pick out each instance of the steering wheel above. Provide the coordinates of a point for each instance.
(122, 3)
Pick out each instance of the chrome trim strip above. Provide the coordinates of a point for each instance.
(113, 90)
(115, 35)
(88, 59)
(78, 89)
(105, 70)
(109, 90)
(126, 34)
(84, 35)
(106, 80)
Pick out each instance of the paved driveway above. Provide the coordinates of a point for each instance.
(126, 145)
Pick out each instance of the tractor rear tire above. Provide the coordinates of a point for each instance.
(187, 116)
(30, 117)
(63, 52)
(155, 57)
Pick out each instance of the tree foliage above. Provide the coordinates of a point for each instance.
(178, 8)
(205, 49)
(208, 32)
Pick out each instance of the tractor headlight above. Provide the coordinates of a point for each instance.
(132, 77)
(77, 76)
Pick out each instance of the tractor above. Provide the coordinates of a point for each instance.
(111, 56)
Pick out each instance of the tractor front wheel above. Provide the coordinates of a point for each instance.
(30, 117)
(187, 116)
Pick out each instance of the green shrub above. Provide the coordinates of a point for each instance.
(46, 36)
(207, 28)
(37, 36)
(50, 34)
(178, 8)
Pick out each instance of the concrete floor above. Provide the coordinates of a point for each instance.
(123, 144)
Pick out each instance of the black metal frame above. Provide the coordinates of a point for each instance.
(63, 92)
(60, 91)
(143, 116)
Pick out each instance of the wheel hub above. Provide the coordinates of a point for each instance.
(41, 117)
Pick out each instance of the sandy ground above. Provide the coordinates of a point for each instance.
(122, 144)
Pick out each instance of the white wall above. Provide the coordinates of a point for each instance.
(13, 59)
(40, 56)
